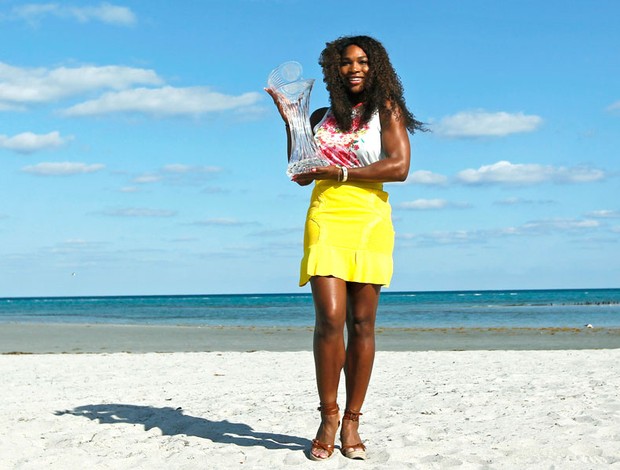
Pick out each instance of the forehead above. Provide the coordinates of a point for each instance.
(353, 51)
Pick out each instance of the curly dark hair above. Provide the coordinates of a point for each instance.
(383, 91)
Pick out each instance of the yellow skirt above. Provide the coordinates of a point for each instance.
(348, 233)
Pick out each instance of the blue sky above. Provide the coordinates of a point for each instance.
(140, 155)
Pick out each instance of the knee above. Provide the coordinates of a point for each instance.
(329, 324)
(362, 326)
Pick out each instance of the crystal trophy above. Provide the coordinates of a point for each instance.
(293, 93)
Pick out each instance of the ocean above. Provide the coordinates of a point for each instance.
(571, 308)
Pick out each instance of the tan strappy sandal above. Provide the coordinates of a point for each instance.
(328, 409)
(353, 451)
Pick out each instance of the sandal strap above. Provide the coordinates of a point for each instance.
(354, 446)
(351, 415)
(329, 448)
(329, 409)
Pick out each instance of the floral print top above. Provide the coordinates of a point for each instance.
(359, 147)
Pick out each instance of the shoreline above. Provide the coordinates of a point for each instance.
(56, 338)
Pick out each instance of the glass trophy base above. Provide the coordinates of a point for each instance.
(303, 166)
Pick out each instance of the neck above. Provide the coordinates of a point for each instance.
(357, 98)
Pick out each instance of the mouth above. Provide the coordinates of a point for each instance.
(353, 81)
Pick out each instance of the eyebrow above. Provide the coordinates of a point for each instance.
(363, 56)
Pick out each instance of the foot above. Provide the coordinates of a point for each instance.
(352, 446)
(323, 443)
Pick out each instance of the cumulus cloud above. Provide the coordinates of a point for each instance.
(178, 173)
(614, 106)
(504, 172)
(545, 227)
(23, 86)
(427, 178)
(104, 12)
(480, 123)
(125, 90)
(432, 204)
(222, 222)
(179, 168)
(165, 101)
(29, 142)
(456, 237)
(128, 189)
(139, 212)
(146, 179)
(605, 214)
(515, 201)
(62, 168)
(556, 225)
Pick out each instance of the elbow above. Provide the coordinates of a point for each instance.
(401, 172)
(402, 176)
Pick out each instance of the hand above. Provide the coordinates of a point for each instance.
(277, 100)
(331, 172)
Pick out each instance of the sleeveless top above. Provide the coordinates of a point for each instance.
(358, 147)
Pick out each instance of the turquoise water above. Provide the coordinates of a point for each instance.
(510, 308)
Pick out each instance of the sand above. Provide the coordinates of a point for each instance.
(545, 409)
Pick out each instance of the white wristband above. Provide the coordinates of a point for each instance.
(345, 173)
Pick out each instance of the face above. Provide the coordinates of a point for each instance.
(354, 68)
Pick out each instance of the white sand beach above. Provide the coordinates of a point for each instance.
(210, 410)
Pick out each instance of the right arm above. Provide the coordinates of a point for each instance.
(276, 101)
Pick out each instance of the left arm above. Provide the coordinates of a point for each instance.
(395, 167)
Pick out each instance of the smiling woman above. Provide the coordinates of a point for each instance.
(349, 237)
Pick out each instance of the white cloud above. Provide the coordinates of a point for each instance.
(166, 101)
(62, 168)
(145, 179)
(139, 212)
(427, 178)
(178, 173)
(534, 228)
(179, 168)
(456, 237)
(432, 204)
(29, 142)
(605, 214)
(225, 222)
(128, 189)
(514, 201)
(614, 106)
(484, 124)
(21, 86)
(105, 13)
(557, 225)
(504, 172)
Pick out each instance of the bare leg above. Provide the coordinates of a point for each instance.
(363, 300)
(330, 303)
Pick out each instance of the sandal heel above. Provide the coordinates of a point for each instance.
(326, 409)
(355, 451)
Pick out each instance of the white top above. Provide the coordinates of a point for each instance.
(359, 147)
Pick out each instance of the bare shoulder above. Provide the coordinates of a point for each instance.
(317, 115)
(391, 115)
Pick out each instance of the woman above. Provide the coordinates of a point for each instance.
(349, 238)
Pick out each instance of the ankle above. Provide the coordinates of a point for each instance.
(351, 415)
